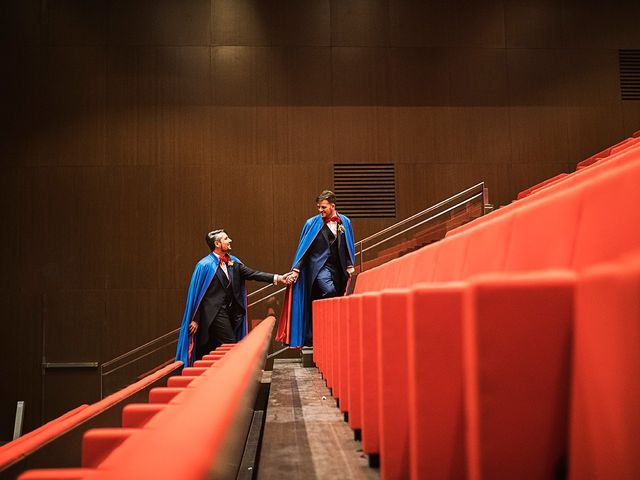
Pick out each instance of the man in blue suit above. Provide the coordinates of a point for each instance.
(321, 268)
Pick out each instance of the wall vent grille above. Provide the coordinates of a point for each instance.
(365, 190)
(629, 61)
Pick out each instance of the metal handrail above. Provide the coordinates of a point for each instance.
(426, 210)
(421, 222)
(126, 354)
(264, 298)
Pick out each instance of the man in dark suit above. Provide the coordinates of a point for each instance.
(322, 266)
(216, 303)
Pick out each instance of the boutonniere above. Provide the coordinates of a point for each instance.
(341, 228)
(230, 263)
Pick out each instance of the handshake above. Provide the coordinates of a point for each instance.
(288, 278)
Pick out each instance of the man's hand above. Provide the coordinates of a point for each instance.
(292, 276)
(351, 271)
(286, 278)
(193, 327)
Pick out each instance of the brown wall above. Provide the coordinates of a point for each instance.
(130, 128)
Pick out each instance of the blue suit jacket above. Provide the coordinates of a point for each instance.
(296, 312)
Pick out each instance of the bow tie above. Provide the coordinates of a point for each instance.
(335, 218)
(225, 258)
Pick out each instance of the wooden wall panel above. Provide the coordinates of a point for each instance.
(478, 77)
(271, 22)
(301, 23)
(234, 135)
(135, 227)
(539, 135)
(50, 250)
(535, 24)
(419, 76)
(465, 135)
(132, 320)
(250, 75)
(360, 76)
(184, 76)
(359, 136)
(631, 117)
(592, 77)
(64, 389)
(410, 134)
(17, 207)
(295, 187)
(76, 22)
(466, 31)
(248, 223)
(21, 105)
(360, 23)
(536, 77)
(131, 132)
(69, 314)
(164, 22)
(189, 216)
(272, 134)
(74, 94)
(20, 23)
(592, 129)
(20, 331)
(309, 76)
(309, 135)
(422, 185)
(234, 75)
(615, 24)
(419, 23)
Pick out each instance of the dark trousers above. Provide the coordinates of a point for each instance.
(222, 330)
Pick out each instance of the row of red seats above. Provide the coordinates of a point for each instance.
(626, 154)
(609, 151)
(16, 455)
(458, 360)
(187, 428)
(599, 157)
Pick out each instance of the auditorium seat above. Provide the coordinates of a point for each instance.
(369, 368)
(13, 454)
(486, 250)
(451, 257)
(605, 420)
(354, 362)
(538, 186)
(392, 376)
(435, 409)
(543, 233)
(343, 351)
(98, 443)
(517, 352)
(137, 415)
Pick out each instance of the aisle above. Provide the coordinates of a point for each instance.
(305, 435)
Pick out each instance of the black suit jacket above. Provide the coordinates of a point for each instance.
(214, 298)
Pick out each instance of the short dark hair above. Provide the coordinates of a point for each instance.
(212, 237)
(327, 195)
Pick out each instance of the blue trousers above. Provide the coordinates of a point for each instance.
(328, 284)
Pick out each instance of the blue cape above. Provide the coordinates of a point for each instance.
(296, 310)
(202, 277)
